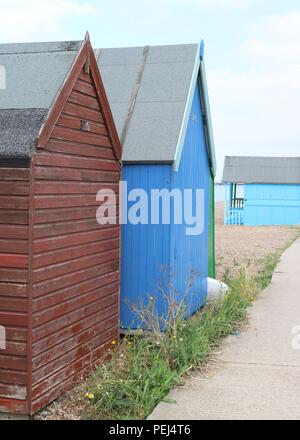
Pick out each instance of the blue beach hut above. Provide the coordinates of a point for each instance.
(159, 100)
(262, 191)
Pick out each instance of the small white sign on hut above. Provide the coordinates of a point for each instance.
(2, 338)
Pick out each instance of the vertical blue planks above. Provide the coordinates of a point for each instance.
(152, 252)
(145, 248)
(272, 205)
(190, 253)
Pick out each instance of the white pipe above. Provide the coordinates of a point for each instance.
(215, 290)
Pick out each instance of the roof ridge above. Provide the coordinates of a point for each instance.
(262, 169)
(134, 95)
(40, 47)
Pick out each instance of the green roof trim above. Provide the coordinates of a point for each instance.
(208, 119)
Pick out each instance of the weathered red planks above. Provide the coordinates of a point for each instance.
(13, 232)
(18, 363)
(14, 174)
(10, 246)
(73, 329)
(15, 334)
(84, 100)
(13, 377)
(14, 202)
(8, 304)
(71, 279)
(84, 77)
(72, 356)
(16, 348)
(14, 260)
(70, 376)
(13, 289)
(70, 253)
(56, 173)
(43, 216)
(61, 228)
(64, 188)
(16, 188)
(14, 219)
(52, 329)
(13, 391)
(12, 275)
(53, 302)
(70, 200)
(73, 122)
(13, 406)
(59, 269)
(78, 136)
(13, 319)
(79, 149)
(75, 261)
(85, 87)
(56, 270)
(69, 161)
(88, 333)
(64, 241)
(83, 112)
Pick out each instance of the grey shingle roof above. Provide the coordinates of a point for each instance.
(34, 74)
(19, 130)
(148, 88)
(157, 80)
(281, 170)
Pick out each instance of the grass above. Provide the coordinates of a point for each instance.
(269, 263)
(144, 368)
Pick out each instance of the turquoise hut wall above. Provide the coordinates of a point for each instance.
(267, 204)
(154, 255)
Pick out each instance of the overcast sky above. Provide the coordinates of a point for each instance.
(252, 55)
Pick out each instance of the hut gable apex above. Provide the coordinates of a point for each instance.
(84, 73)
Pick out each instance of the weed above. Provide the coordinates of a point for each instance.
(146, 366)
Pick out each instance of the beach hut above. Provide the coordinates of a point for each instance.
(159, 100)
(262, 191)
(59, 269)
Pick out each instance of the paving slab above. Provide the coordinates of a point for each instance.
(256, 375)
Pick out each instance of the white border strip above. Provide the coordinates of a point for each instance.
(187, 112)
(199, 71)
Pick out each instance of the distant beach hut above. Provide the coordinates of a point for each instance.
(159, 101)
(271, 194)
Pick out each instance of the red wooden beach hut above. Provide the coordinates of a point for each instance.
(59, 270)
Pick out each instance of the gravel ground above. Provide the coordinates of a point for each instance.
(240, 247)
(237, 247)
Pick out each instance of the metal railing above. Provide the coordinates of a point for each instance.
(238, 203)
(235, 214)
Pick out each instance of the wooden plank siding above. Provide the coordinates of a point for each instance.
(59, 269)
(75, 262)
(14, 242)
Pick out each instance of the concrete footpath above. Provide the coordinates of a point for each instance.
(257, 374)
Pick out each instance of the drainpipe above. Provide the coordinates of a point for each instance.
(216, 290)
